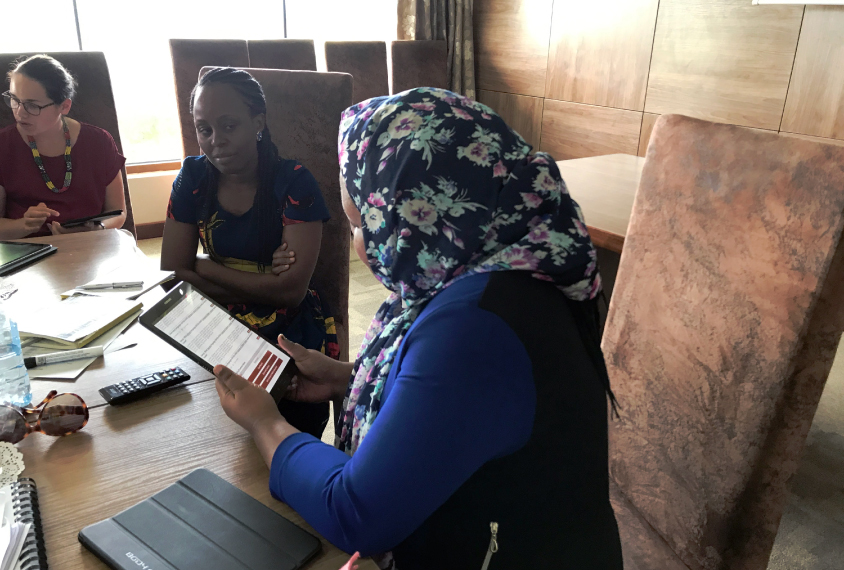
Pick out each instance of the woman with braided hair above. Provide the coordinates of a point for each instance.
(240, 200)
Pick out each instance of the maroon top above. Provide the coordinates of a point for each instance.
(95, 162)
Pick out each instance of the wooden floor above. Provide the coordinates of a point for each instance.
(811, 534)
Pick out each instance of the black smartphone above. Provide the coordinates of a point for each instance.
(207, 334)
(97, 218)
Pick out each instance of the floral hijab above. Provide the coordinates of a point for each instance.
(446, 189)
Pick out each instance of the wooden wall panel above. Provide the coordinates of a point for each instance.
(648, 120)
(723, 60)
(574, 130)
(511, 45)
(815, 104)
(522, 113)
(836, 142)
(601, 51)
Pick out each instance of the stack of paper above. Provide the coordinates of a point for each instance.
(74, 322)
(12, 533)
(110, 341)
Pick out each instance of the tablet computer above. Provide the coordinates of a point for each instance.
(15, 255)
(95, 218)
(207, 334)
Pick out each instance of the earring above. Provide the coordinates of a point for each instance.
(259, 136)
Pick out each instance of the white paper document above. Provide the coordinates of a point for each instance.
(12, 533)
(73, 368)
(148, 276)
(72, 322)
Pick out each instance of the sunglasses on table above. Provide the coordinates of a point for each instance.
(58, 414)
(33, 109)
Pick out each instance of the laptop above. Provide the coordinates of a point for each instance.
(14, 254)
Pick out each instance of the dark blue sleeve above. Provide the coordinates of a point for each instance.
(182, 205)
(458, 400)
(298, 191)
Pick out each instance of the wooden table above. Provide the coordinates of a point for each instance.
(127, 453)
(604, 187)
(81, 257)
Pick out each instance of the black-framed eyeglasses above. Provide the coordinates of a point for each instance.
(33, 109)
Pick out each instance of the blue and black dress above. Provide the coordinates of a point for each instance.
(235, 241)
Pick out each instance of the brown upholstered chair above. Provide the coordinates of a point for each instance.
(282, 54)
(419, 64)
(303, 114)
(93, 104)
(727, 311)
(365, 61)
(188, 57)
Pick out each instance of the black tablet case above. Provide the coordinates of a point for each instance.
(28, 259)
(200, 522)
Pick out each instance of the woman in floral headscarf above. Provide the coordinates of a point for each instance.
(474, 420)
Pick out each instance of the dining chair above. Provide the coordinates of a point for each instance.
(366, 62)
(727, 311)
(419, 64)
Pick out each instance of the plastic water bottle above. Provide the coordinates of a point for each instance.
(14, 380)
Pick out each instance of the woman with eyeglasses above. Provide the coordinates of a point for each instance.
(53, 168)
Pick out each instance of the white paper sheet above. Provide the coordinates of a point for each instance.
(5, 535)
(13, 549)
(73, 319)
(72, 369)
(12, 533)
(151, 277)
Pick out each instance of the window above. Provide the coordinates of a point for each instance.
(341, 20)
(135, 39)
(56, 27)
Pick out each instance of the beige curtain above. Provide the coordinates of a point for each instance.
(449, 20)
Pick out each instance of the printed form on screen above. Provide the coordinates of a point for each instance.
(218, 338)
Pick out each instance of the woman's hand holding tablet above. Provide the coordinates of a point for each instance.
(244, 402)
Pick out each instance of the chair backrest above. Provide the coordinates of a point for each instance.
(365, 61)
(282, 54)
(419, 64)
(93, 104)
(189, 56)
(727, 311)
(303, 115)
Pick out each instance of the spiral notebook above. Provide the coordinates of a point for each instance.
(25, 506)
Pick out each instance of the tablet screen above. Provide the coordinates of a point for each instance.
(209, 332)
(10, 251)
